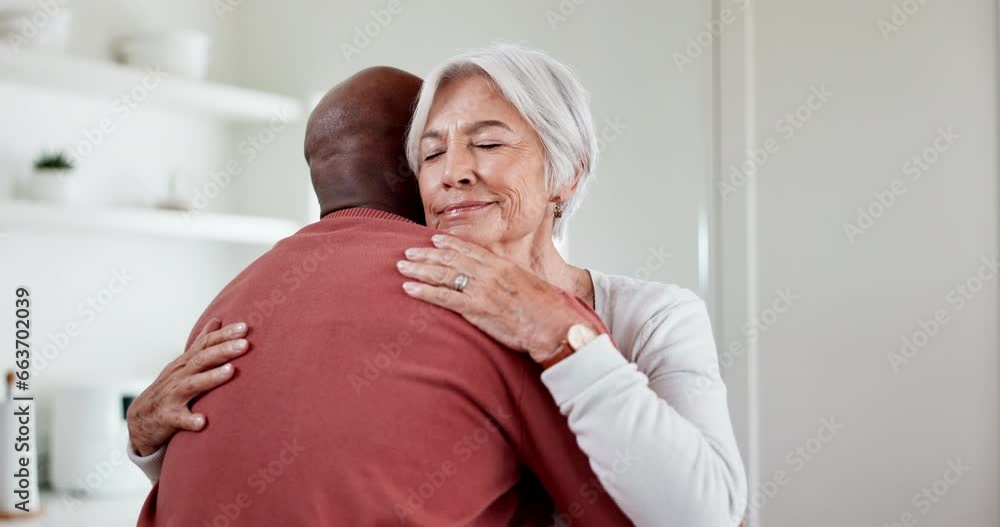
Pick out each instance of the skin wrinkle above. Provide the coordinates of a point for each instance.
(513, 174)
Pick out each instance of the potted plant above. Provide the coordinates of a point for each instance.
(52, 179)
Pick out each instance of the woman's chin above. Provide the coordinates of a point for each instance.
(478, 234)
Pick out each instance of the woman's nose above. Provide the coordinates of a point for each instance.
(459, 167)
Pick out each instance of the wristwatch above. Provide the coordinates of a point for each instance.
(577, 336)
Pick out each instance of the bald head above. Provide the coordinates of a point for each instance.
(354, 144)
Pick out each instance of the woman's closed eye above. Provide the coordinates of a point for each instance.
(483, 146)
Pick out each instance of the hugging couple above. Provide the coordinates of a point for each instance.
(529, 392)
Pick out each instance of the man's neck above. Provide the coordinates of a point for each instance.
(364, 212)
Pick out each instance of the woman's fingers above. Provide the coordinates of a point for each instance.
(470, 250)
(428, 273)
(443, 257)
(217, 335)
(217, 355)
(200, 383)
(445, 297)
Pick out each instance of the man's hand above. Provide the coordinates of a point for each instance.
(162, 408)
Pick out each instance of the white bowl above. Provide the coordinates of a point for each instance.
(36, 29)
(183, 53)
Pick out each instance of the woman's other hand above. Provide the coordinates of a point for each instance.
(162, 409)
(505, 301)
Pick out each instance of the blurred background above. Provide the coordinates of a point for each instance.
(823, 174)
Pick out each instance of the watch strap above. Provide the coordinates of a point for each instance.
(565, 350)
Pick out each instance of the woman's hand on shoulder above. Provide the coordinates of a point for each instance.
(509, 303)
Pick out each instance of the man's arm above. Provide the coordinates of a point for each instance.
(549, 449)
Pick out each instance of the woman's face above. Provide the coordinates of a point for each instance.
(483, 167)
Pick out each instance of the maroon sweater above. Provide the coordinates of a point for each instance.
(358, 405)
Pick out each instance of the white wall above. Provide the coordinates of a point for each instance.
(782, 229)
(827, 355)
(147, 323)
(653, 175)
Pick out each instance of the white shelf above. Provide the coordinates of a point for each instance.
(27, 215)
(105, 79)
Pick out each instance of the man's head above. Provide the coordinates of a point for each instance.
(354, 144)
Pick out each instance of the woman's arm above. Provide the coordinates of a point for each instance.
(660, 440)
(161, 410)
(662, 445)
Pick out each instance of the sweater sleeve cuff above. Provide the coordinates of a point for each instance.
(574, 374)
(149, 465)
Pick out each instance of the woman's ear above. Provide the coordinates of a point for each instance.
(570, 189)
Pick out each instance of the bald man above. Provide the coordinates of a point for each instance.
(359, 405)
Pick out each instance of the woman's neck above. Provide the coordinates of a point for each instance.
(542, 258)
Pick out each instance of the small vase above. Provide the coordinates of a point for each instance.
(57, 186)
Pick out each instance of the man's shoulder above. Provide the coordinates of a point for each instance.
(311, 251)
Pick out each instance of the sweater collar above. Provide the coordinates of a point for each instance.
(364, 212)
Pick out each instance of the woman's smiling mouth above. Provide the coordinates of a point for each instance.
(457, 210)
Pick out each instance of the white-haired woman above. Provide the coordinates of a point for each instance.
(503, 143)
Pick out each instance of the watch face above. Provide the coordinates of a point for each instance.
(580, 335)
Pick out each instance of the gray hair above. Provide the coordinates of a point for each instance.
(549, 97)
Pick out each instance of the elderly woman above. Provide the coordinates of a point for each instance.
(503, 143)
